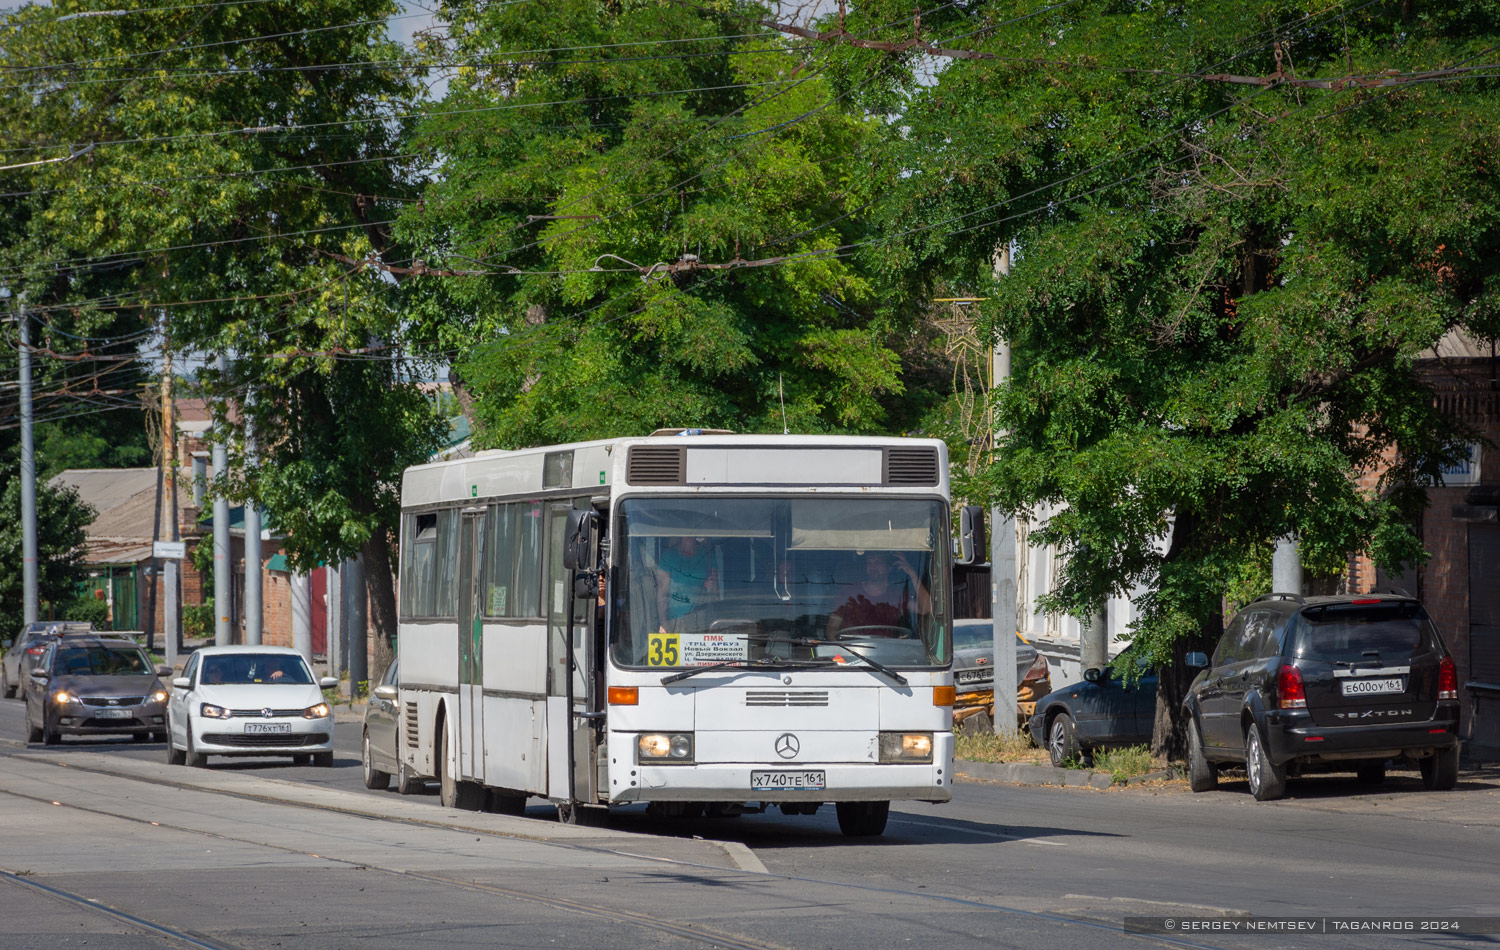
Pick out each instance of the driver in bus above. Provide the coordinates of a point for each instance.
(883, 599)
(686, 580)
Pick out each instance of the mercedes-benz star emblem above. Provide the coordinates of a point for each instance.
(266, 713)
(787, 746)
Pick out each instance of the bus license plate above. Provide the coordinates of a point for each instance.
(112, 714)
(1368, 686)
(268, 727)
(787, 781)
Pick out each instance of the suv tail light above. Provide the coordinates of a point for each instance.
(36, 651)
(1447, 679)
(1289, 692)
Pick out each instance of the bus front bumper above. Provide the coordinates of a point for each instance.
(744, 782)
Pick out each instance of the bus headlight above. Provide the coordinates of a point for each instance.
(909, 747)
(665, 747)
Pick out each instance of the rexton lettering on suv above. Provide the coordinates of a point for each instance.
(1324, 684)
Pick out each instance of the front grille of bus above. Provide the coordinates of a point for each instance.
(656, 465)
(910, 467)
(786, 697)
(411, 725)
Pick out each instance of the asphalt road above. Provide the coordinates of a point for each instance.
(102, 841)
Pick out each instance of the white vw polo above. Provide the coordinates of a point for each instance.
(249, 701)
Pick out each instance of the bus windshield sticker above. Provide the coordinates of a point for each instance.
(662, 649)
(701, 649)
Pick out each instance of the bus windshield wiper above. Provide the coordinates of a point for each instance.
(764, 663)
(878, 667)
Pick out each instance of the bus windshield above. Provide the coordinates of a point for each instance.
(815, 581)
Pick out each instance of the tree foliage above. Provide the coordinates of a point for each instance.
(1219, 289)
(599, 139)
(61, 520)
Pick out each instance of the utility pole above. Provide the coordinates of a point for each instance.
(333, 593)
(335, 639)
(252, 549)
(301, 616)
(1003, 554)
(1286, 566)
(222, 563)
(30, 605)
(171, 632)
(359, 665)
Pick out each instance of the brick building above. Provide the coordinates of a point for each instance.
(1460, 530)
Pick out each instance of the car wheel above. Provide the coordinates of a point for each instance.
(322, 760)
(374, 778)
(158, 737)
(1062, 740)
(301, 758)
(194, 758)
(862, 819)
(6, 690)
(1203, 775)
(33, 733)
(50, 736)
(1440, 770)
(1267, 782)
(175, 756)
(1370, 773)
(407, 781)
(452, 792)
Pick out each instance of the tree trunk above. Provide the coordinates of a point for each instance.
(382, 588)
(1169, 728)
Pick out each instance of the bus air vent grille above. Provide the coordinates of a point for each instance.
(911, 467)
(656, 465)
(786, 697)
(412, 730)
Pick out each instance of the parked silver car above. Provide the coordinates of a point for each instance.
(22, 656)
(380, 742)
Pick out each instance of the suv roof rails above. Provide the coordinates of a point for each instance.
(1280, 595)
(1397, 591)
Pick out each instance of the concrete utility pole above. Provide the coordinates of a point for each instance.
(30, 604)
(1286, 566)
(333, 594)
(359, 660)
(1003, 554)
(1093, 640)
(302, 616)
(253, 614)
(222, 563)
(169, 611)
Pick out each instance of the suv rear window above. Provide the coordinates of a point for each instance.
(1385, 632)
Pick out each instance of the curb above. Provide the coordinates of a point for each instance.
(1026, 774)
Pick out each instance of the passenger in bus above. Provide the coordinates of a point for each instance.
(881, 603)
(686, 580)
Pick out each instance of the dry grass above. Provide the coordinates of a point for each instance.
(989, 747)
(1124, 763)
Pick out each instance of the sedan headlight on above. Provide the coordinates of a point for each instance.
(669, 747)
(160, 696)
(907, 747)
(320, 711)
(210, 711)
(62, 696)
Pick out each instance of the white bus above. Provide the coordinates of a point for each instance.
(749, 621)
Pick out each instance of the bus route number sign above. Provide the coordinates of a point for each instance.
(663, 649)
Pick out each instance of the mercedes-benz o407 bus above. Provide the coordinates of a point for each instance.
(707, 623)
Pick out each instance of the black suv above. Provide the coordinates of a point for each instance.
(1324, 683)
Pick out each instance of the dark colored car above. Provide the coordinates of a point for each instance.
(91, 685)
(1324, 684)
(28, 647)
(1105, 711)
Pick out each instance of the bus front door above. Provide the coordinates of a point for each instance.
(560, 721)
(470, 649)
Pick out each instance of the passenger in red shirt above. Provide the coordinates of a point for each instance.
(882, 600)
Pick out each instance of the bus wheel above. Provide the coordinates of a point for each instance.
(453, 792)
(863, 819)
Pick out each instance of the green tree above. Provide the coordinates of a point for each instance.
(585, 142)
(246, 158)
(61, 520)
(1219, 289)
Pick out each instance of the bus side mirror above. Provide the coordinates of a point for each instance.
(579, 539)
(971, 546)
